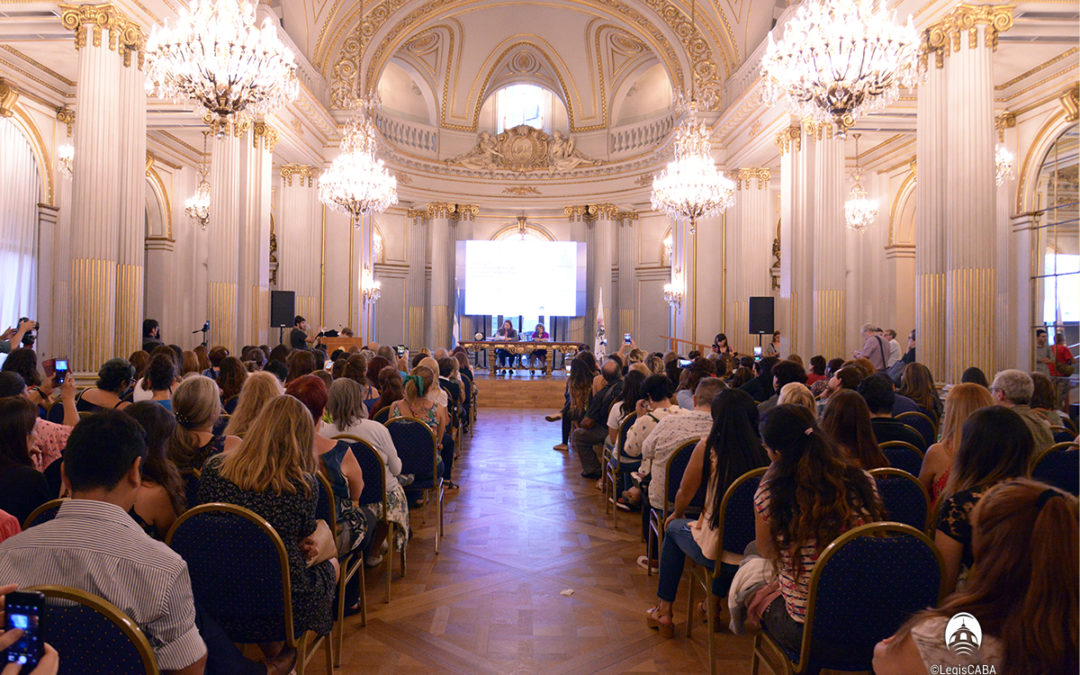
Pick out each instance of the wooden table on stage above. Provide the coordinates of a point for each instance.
(332, 343)
(521, 349)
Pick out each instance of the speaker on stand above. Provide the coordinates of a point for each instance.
(761, 316)
(282, 311)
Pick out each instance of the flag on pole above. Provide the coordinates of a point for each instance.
(600, 347)
(455, 335)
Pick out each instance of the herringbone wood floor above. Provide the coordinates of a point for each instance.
(524, 527)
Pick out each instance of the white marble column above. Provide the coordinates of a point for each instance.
(750, 235)
(132, 193)
(224, 239)
(104, 179)
(970, 235)
(930, 218)
(253, 296)
(439, 319)
(300, 240)
(796, 240)
(830, 296)
(602, 247)
(416, 247)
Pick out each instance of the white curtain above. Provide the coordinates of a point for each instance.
(20, 192)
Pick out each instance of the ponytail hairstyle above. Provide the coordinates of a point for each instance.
(733, 443)
(814, 493)
(196, 405)
(1023, 585)
(418, 382)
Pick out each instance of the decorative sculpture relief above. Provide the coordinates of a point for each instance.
(522, 149)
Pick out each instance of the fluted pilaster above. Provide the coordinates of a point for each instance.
(830, 301)
(970, 238)
(132, 215)
(253, 303)
(930, 218)
(796, 238)
(442, 267)
(300, 239)
(223, 240)
(750, 235)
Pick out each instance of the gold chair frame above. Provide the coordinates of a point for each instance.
(351, 564)
(893, 471)
(438, 489)
(656, 522)
(36, 513)
(611, 470)
(917, 415)
(308, 643)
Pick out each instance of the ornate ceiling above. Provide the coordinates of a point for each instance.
(589, 52)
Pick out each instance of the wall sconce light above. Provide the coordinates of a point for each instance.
(673, 290)
(65, 159)
(370, 289)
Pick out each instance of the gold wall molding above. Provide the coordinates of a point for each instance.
(520, 190)
(67, 116)
(743, 177)
(9, 96)
(944, 37)
(1045, 64)
(305, 173)
(590, 212)
(125, 34)
(451, 211)
(1070, 101)
(415, 214)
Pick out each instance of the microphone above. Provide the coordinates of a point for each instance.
(205, 328)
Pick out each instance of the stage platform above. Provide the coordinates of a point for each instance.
(521, 390)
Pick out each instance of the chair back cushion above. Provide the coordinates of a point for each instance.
(904, 498)
(374, 474)
(1059, 467)
(921, 423)
(677, 464)
(43, 513)
(624, 429)
(415, 445)
(191, 488)
(903, 458)
(737, 511)
(868, 587)
(237, 573)
(325, 509)
(90, 642)
(382, 415)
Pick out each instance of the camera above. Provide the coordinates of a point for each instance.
(30, 336)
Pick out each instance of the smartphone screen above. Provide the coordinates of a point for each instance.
(61, 369)
(683, 363)
(626, 338)
(22, 611)
(400, 350)
(757, 351)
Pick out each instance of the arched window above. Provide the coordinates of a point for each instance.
(523, 104)
(20, 192)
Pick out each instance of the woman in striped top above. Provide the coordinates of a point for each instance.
(809, 496)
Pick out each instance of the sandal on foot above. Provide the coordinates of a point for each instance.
(656, 621)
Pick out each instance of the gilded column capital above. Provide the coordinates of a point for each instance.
(303, 171)
(415, 214)
(818, 131)
(789, 139)
(125, 34)
(467, 211)
(264, 133)
(440, 209)
(219, 128)
(1005, 120)
(9, 95)
(452, 211)
(590, 212)
(743, 177)
(945, 36)
(626, 217)
(67, 116)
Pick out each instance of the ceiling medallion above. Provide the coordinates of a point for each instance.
(215, 57)
(839, 59)
(859, 209)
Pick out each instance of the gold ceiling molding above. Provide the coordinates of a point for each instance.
(943, 38)
(125, 34)
(9, 96)
(40, 66)
(305, 173)
(520, 190)
(1045, 64)
(523, 149)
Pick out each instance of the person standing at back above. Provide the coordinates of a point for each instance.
(874, 348)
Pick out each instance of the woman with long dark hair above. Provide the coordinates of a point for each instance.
(733, 447)
(846, 421)
(160, 499)
(809, 496)
(1022, 589)
(22, 487)
(917, 383)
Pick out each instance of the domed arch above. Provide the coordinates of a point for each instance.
(1027, 183)
(22, 121)
(522, 59)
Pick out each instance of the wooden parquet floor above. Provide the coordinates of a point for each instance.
(523, 528)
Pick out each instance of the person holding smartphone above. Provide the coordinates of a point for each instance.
(14, 336)
(19, 641)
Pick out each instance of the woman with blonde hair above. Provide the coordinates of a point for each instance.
(797, 393)
(272, 472)
(259, 387)
(189, 365)
(962, 401)
(197, 407)
(1022, 589)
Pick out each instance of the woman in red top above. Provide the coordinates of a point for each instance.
(1062, 357)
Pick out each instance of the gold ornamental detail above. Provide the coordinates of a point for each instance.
(415, 214)
(66, 115)
(305, 173)
(1070, 101)
(125, 35)
(588, 213)
(520, 190)
(945, 36)
(451, 211)
(743, 177)
(9, 96)
(261, 131)
(789, 139)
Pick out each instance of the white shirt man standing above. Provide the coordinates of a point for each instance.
(894, 348)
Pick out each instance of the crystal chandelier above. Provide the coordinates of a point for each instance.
(691, 186)
(369, 287)
(839, 59)
(197, 206)
(1004, 164)
(859, 209)
(673, 290)
(376, 245)
(216, 57)
(65, 159)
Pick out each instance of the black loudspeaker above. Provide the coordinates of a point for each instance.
(282, 308)
(761, 315)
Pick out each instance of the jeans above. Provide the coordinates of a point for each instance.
(447, 455)
(678, 544)
(582, 442)
(788, 632)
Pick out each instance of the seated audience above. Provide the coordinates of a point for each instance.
(877, 391)
(160, 499)
(1022, 589)
(1013, 389)
(848, 377)
(24, 362)
(139, 360)
(272, 472)
(300, 362)
(656, 403)
(49, 437)
(344, 404)
(278, 369)
(189, 365)
(22, 487)
(698, 369)
(809, 496)
(230, 380)
(963, 400)
(114, 378)
(995, 445)
(975, 376)
(1044, 400)
(627, 402)
(593, 428)
(783, 373)
(817, 370)
(257, 390)
(391, 388)
(732, 448)
(846, 421)
(197, 408)
(577, 396)
(161, 376)
(216, 356)
(797, 393)
(761, 387)
(94, 545)
(415, 404)
(917, 384)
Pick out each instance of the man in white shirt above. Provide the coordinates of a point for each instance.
(894, 348)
